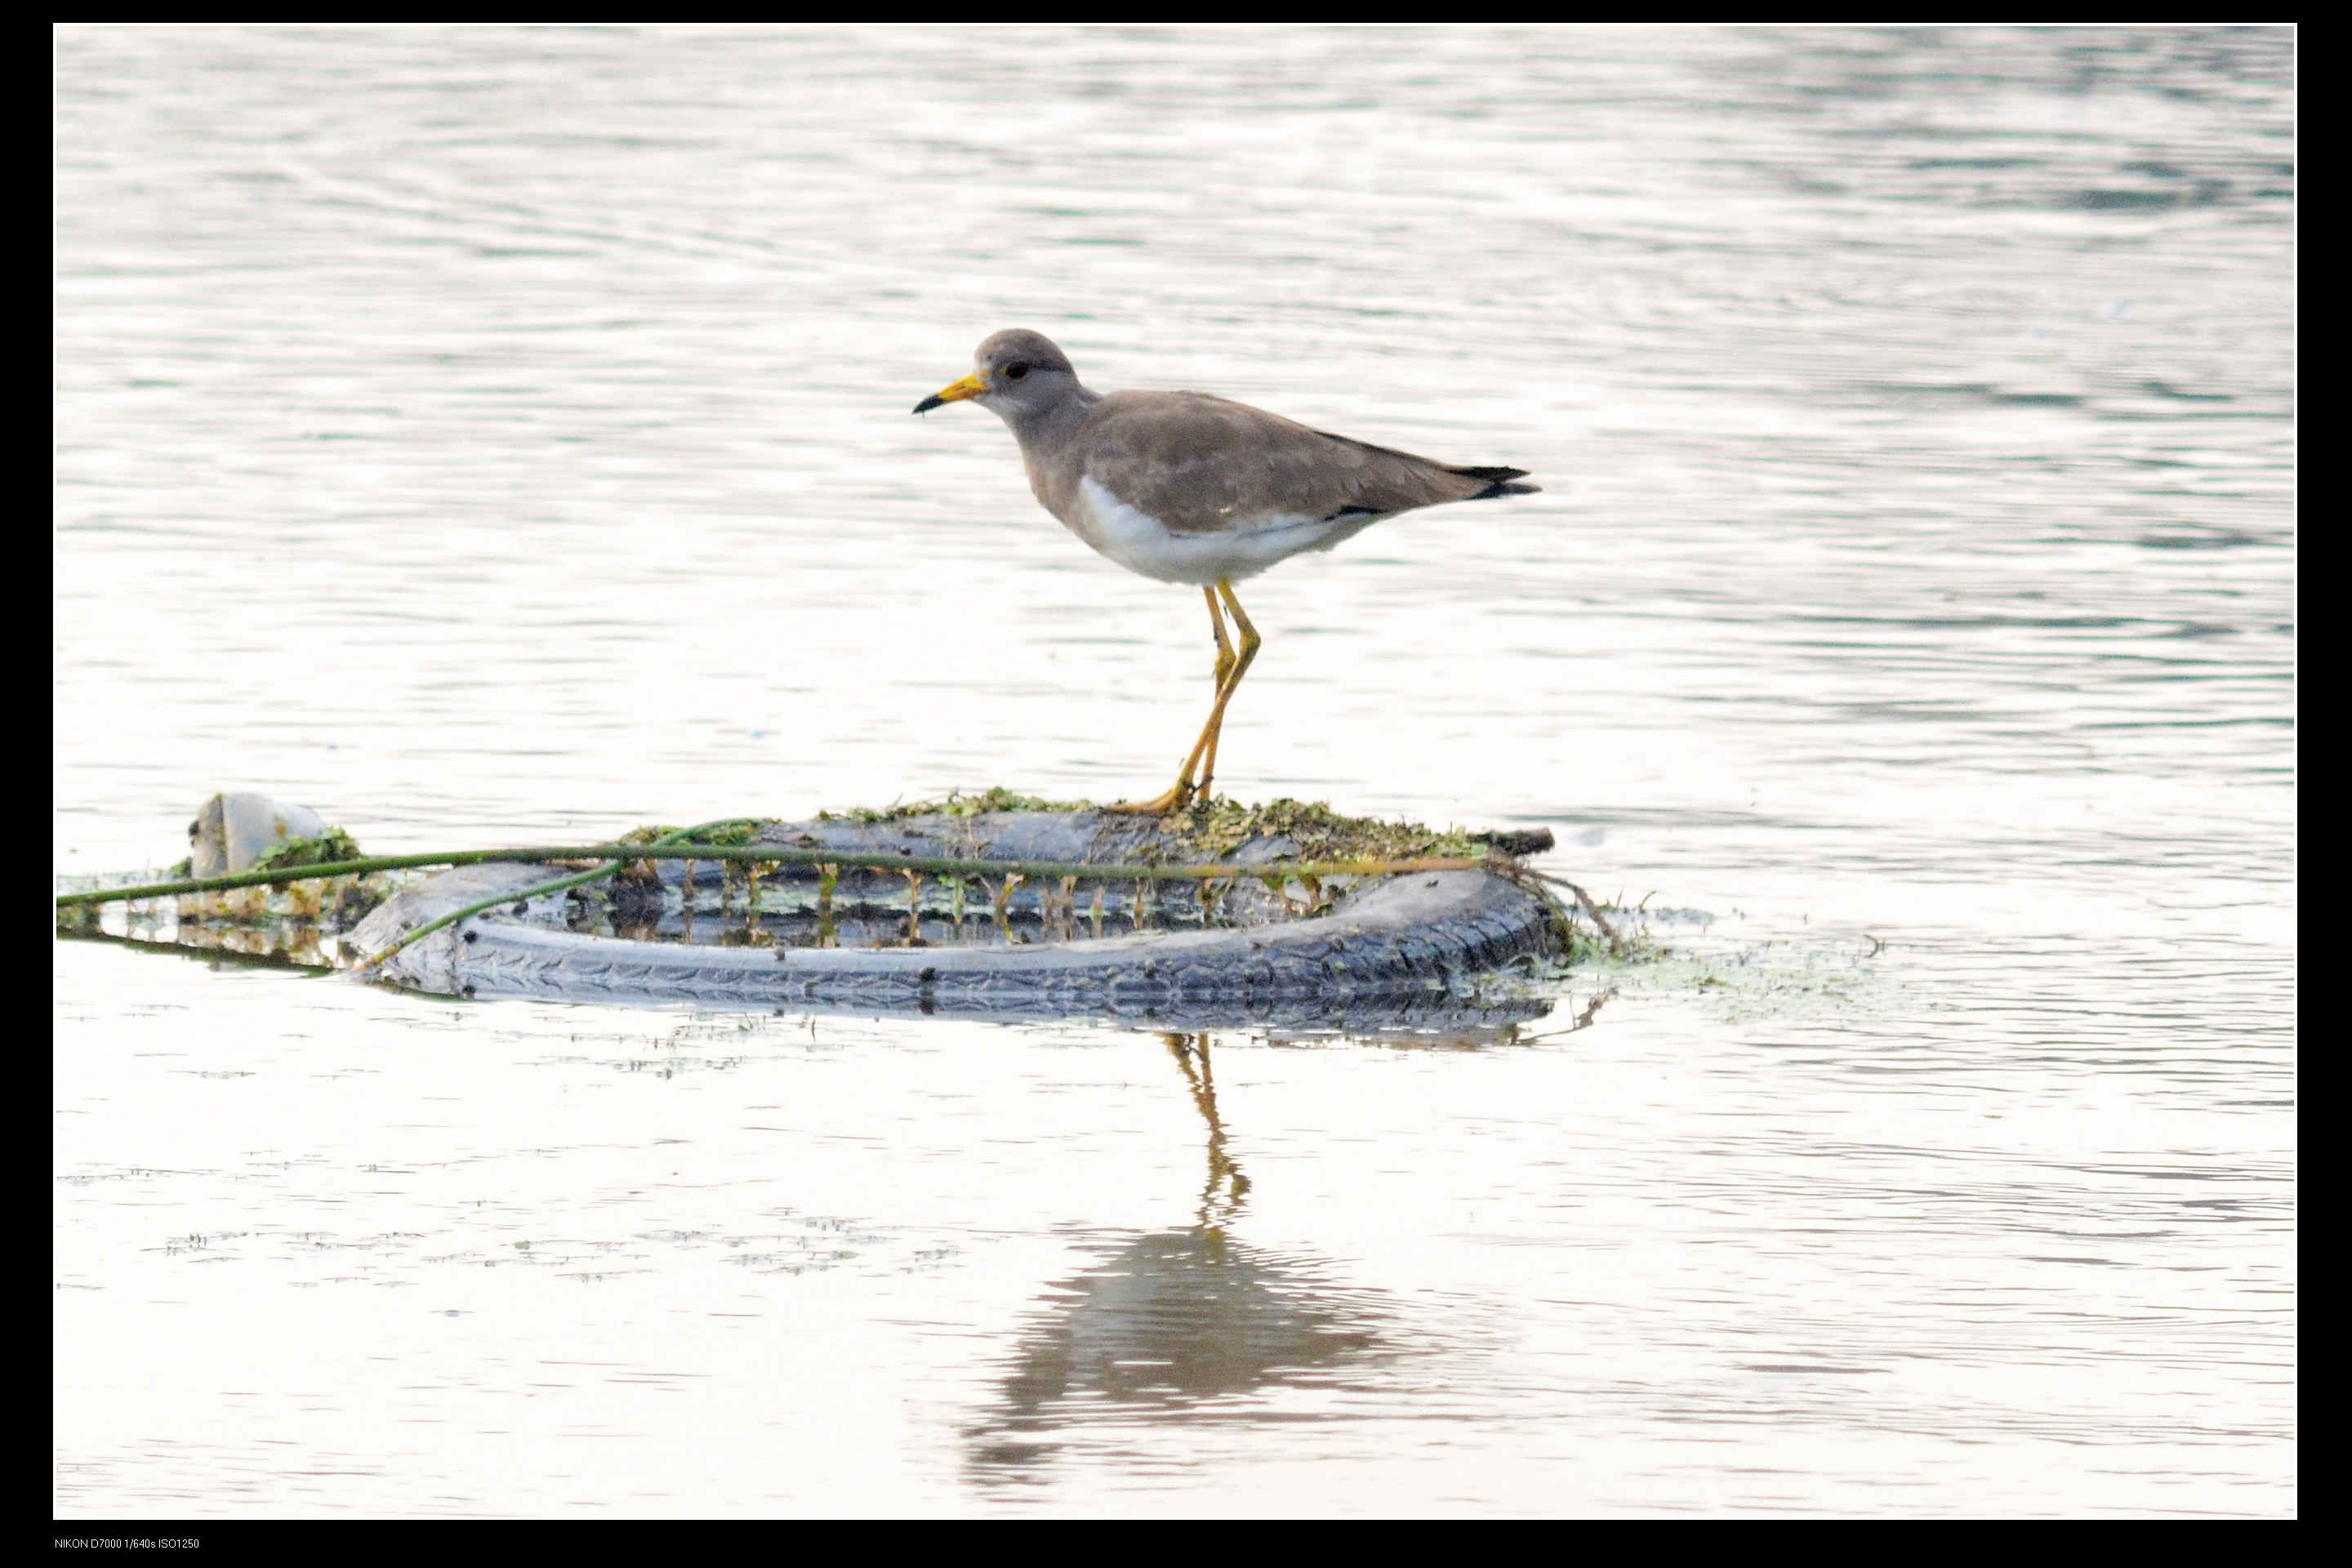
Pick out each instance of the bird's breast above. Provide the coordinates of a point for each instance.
(1150, 548)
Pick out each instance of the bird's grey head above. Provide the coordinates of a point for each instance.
(1015, 375)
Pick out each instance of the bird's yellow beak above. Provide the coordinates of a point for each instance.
(953, 391)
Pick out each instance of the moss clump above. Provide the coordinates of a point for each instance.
(955, 803)
(732, 834)
(1212, 829)
(1215, 829)
(332, 845)
(1206, 830)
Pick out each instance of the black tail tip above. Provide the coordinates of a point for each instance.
(1499, 481)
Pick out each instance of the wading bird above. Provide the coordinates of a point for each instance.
(1185, 488)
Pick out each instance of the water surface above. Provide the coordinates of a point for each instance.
(489, 435)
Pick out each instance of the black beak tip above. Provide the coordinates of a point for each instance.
(928, 404)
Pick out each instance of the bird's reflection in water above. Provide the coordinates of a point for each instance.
(1172, 1324)
(1222, 1198)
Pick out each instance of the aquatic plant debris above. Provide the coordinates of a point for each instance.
(322, 883)
(333, 845)
(1215, 828)
(1317, 841)
(1286, 844)
(955, 803)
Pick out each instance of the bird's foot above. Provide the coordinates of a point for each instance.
(1177, 797)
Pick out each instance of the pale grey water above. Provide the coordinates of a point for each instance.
(486, 436)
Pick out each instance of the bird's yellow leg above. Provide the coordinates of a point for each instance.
(1180, 793)
(1250, 642)
(1224, 649)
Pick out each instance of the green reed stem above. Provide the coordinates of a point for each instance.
(668, 849)
(542, 888)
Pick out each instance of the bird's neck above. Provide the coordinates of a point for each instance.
(1031, 425)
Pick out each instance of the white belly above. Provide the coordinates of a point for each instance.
(1139, 543)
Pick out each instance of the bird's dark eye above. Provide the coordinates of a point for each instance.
(1016, 370)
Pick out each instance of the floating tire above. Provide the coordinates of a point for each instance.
(1399, 950)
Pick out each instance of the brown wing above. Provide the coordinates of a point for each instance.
(1200, 464)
